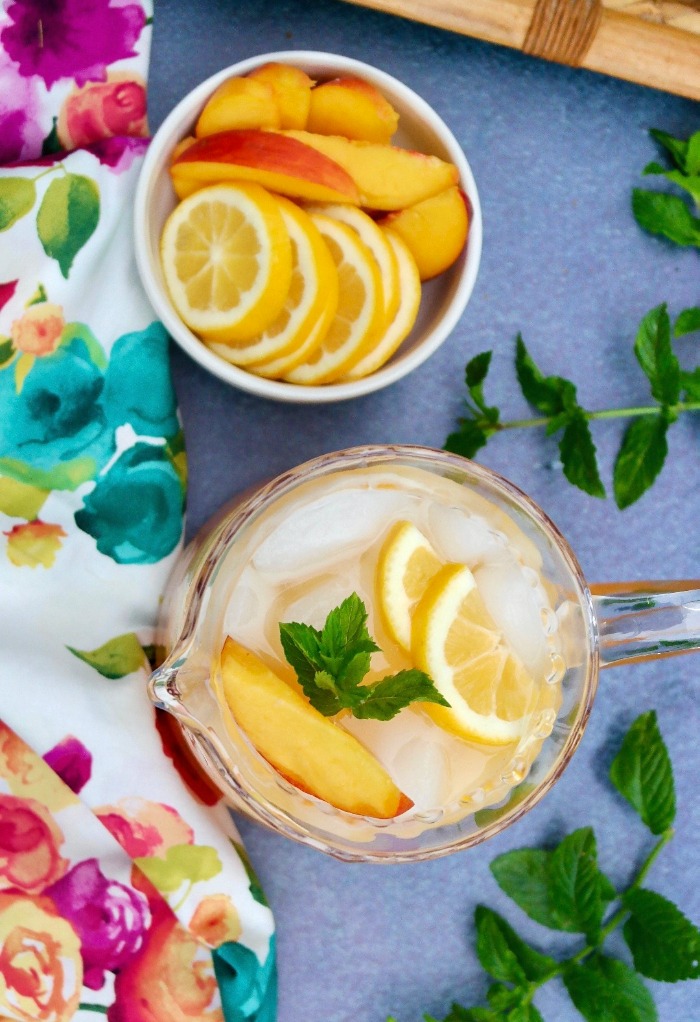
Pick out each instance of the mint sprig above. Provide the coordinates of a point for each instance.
(331, 665)
(664, 213)
(644, 445)
(564, 889)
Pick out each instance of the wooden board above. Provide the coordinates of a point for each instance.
(652, 42)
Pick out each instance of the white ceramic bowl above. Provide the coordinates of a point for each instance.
(444, 298)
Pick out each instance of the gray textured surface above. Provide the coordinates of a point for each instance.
(555, 153)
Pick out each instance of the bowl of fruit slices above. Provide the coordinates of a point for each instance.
(307, 228)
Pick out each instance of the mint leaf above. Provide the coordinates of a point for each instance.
(640, 459)
(692, 154)
(664, 944)
(386, 697)
(606, 990)
(690, 382)
(466, 441)
(655, 355)
(687, 322)
(503, 998)
(676, 147)
(460, 1014)
(301, 644)
(525, 1013)
(666, 215)
(504, 954)
(550, 395)
(331, 665)
(475, 374)
(642, 773)
(523, 875)
(577, 887)
(578, 456)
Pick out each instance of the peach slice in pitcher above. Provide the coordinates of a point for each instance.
(308, 749)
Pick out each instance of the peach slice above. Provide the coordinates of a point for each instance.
(387, 177)
(239, 103)
(435, 230)
(292, 89)
(279, 162)
(353, 108)
(308, 749)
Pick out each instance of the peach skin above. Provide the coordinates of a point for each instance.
(277, 161)
(387, 177)
(435, 230)
(352, 108)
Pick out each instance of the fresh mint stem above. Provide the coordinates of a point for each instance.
(605, 413)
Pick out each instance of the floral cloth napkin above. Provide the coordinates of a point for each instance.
(123, 886)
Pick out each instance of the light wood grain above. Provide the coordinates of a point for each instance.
(646, 41)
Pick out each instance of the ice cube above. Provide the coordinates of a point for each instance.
(464, 538)
(245, 613)
(514, 605)
(326, 530)
(314, 604)
(421, 769)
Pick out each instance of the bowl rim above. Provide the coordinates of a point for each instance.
(279, 390)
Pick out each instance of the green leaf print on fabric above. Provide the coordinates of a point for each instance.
(67, 218)
(19, 500)
(116, 658)
(182, 865)
(17, 196)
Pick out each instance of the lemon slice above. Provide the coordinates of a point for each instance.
(275, 369)
(455, 641)
(360, 314)
(307, 748)
(227, 261)
(313, 289)
(397, 330)
(376, 241)
(405, 565)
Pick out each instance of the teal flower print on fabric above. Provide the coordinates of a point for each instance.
(135, 511)
(248, 989)
(53, 431)
(138, 389)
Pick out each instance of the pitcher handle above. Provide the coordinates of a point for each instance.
(646, 620)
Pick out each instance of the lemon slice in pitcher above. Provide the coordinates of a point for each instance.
(456, 642)
(406, 564)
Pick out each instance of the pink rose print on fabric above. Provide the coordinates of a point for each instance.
(20, 132)
(41, 972)
(29, 846)
(167, 980)
(7, 290)
(110, 918)
(28, 776)
(144, 828)
(118, 153)
(101, 110)
(38, 330)
(71, 761)
(78, 39)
